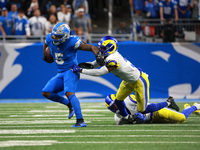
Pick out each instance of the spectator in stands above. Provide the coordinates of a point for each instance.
(195, 9)
(79, 32)
(63, 15)
(3, 3)
(138, 7)
(77, 3)
(6, 23)
(69, 9)
(37, 23)
(123, 29)
(151, 8)
(13, 13)
(82, 21)
(52, 10)
(51, 23)
(32, 7)
(21, 26)
(168, 10)
(184, 8)
(86, 14)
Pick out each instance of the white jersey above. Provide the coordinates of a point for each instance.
(37, 25)
(125, 69)
(64, 17)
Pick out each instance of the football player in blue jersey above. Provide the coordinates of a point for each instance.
(158, 114)
(63, 49)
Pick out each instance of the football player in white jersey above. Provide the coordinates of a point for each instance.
(133, 79)
(160, 115)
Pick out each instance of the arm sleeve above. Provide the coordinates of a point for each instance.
(94, 63)
(96, 72)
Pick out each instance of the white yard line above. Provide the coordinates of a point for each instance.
(40, 131)
(41, 122)
(102, 136)
(11, 143)
(89, 115)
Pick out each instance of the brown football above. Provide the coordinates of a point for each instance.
(49, 58)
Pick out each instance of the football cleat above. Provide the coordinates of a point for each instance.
(71, 110)
(79, 124)
(172, 105)
(186, 106)
(197, 112)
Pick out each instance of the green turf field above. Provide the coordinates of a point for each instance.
(44, 126)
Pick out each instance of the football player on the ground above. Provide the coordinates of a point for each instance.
(159, 114)
(133, 79)
(64, 48)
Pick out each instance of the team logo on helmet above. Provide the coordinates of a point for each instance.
(60, 33)
(108, 45)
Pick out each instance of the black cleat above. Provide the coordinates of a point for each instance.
(172, 105)
(79, 123)
(71, 110)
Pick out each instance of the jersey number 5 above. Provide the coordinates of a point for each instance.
(58, 58)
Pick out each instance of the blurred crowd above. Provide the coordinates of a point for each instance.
(37, 18)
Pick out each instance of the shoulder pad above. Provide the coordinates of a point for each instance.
(112, 63)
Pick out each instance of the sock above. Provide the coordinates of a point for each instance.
(155, 107)
(57, 98)
(189, 110)
(76, 105)
(122, 108)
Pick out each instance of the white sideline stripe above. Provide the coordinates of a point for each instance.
(88, 115)
(63, 126)
(41, 122)
(83, 136)
(16, 131)
(156, 130)
(131, 142)
(50, 142)
(83, 110)
(35, 131)
(26, 143)
(64, 118)
(88, 106)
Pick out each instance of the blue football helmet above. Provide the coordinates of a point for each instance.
(60, 33)
(109, 101)
(107, 45)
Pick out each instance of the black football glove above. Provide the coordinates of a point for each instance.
(86, 65)
(100, 59)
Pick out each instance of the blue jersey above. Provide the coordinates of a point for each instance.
(12, 14)
(7, 24)
(139, 5)
(3, 3)
(168, 9)
(152, 8)
(65, 55)
(183, 4)
(21, 24)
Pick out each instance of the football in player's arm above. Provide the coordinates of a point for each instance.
(63, 48)
(160, 115)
